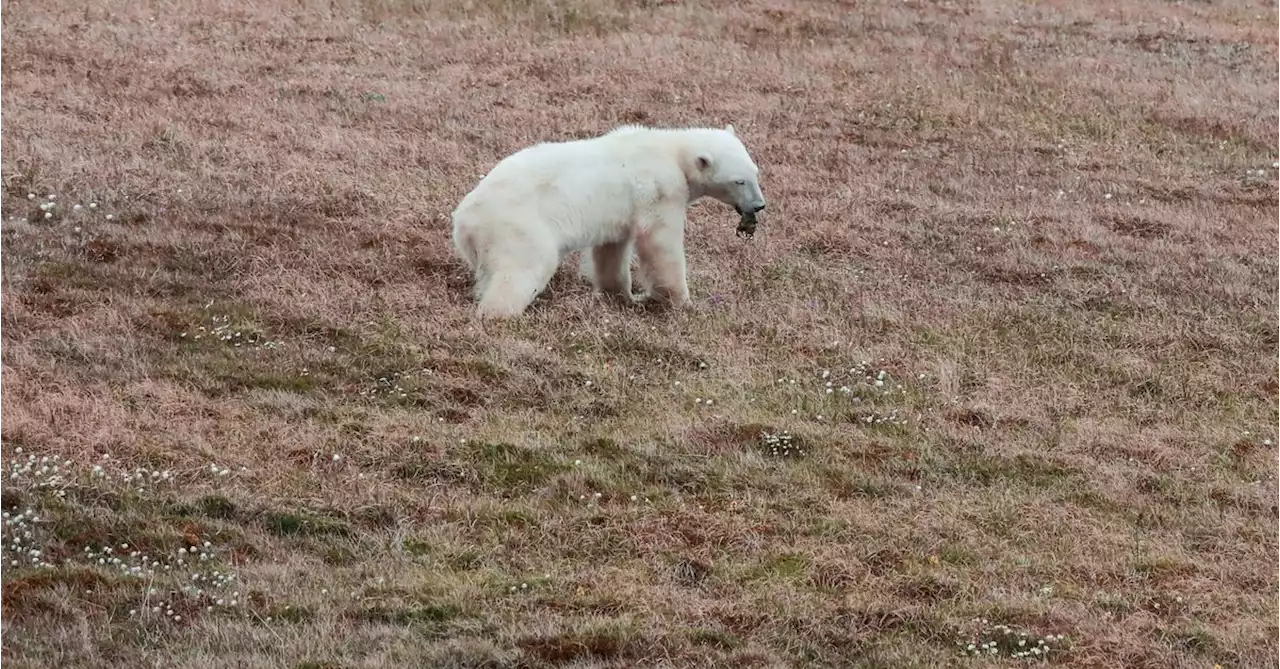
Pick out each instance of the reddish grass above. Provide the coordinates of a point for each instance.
(1054, 226)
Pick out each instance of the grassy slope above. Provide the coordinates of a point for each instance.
(1052, 227)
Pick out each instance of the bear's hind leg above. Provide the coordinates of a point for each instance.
(481, 284)
(510, 290)
(464, 247)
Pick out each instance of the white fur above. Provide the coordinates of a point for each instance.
(609, 196)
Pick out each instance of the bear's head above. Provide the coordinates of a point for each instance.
(727, 173)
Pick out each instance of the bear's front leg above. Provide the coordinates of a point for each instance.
(661, 250)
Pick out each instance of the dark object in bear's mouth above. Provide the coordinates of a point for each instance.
(747, 225)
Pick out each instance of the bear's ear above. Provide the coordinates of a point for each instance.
(730, 129)
(704, 162)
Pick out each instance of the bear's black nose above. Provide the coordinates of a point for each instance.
(760, 208)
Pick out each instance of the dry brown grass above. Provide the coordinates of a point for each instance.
(1053, 225)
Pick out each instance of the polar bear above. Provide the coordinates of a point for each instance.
(607, 196)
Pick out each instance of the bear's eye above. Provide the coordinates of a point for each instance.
(741, 182)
